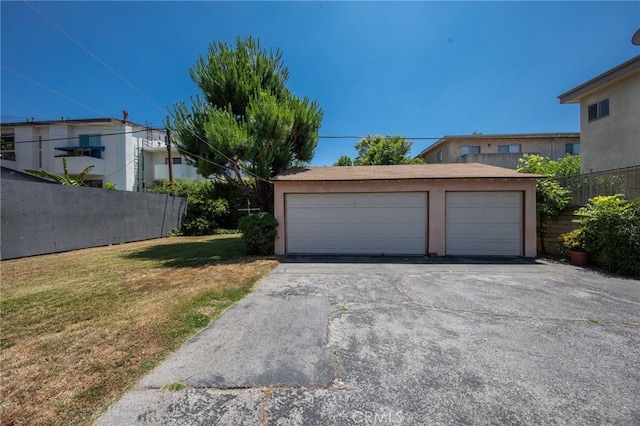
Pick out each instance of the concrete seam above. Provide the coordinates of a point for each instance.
(265, 399)
(402, 291)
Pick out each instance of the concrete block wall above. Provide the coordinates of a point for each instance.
(564, 223)
(39, 218)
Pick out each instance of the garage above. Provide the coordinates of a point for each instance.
(357, 223)
(461, 209)
(484, 223)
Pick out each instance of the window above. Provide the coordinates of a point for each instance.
(8, 148)
(473, 149)
(90, 140)
(598, 110)
(440, 156)
(174, 160)
(509, 149)
(572, 148)
(93, 183)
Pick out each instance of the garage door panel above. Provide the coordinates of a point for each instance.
(484, 223)
(385, 223)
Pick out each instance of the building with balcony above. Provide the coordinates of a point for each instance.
(502, 150)
(130, 155)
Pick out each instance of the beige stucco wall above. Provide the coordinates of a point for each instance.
(612, 141)
(548, 146)
(436, 189)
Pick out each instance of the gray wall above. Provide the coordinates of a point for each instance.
(40, 218)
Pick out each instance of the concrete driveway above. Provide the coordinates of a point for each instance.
(402, 342)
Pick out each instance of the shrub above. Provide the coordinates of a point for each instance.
(551, 197)
(258, 233)
(572, 241)
(204, 209)
(611, 226)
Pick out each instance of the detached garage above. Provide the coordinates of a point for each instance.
(436, 209)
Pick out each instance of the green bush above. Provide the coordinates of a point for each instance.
(258, 233)
(551, 197)
(572, 241)
(611, 227)
(204, 209)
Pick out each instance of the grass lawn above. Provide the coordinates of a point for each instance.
(78, 329)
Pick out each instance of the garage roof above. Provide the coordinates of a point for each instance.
(401, 172)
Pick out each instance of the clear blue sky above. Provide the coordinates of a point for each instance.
(417, 69)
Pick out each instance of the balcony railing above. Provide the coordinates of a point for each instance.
(180, 171)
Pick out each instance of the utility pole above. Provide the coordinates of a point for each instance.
(169, 150)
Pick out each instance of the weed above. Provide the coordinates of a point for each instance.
(175, 386)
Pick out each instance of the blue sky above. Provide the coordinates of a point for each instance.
(417, 69)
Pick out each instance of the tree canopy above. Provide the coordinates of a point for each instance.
(551, 197)
(379, 150)
(247, 122)
(534, 163)
(344, 160)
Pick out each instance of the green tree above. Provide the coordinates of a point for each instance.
(534, 163)
(344, 160)
(248, 123)
(65, 178)
(378, 150)
(551, 198)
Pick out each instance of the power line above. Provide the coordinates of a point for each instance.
(141, 93)
(88, 52)
(52, 91)
(78, 137)
(99, 112)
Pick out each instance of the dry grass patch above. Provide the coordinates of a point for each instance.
(80, 328)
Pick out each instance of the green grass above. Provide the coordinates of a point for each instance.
(175, 386)
(80, 328)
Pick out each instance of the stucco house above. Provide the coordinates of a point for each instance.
(502, 150)
(609, 117)
(427, 209)
(130, 155)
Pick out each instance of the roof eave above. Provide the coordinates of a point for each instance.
(574, 95)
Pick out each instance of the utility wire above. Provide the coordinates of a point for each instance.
(99, 112)
(55, 92)
(95, 57)
(88, 52)
(78, 137)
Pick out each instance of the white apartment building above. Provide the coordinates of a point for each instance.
(130, 155)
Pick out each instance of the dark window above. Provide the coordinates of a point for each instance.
(572, 148)
(473, 149)
(89, 140)
(8, 149)
(93, 183)
(505, 149)
(177, 160)
(598, 110)
(603, 108)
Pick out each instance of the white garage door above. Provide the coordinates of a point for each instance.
(484, 223)
(380, 223)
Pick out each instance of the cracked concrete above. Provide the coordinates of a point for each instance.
(408, 341)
